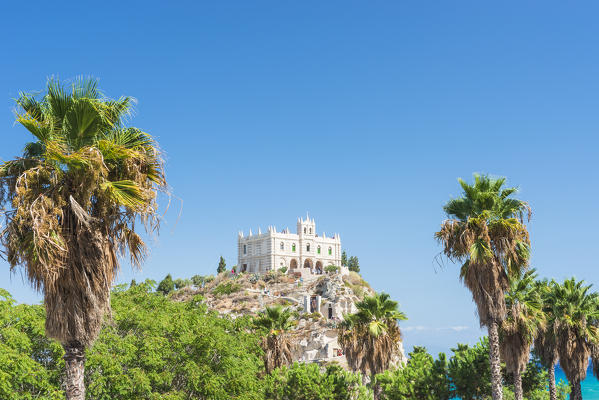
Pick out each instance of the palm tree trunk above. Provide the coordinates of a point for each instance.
(376, 388)
(518, 386)
(496, 387)
(74, 358)
(552, 390)
(575, 390)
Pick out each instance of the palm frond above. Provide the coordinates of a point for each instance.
(125, 193)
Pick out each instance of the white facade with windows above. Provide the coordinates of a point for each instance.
(303, 252)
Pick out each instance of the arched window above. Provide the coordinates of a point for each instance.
(293, 247)
(282, 246)
(308, 247)
(245, 249)
(318, 249)
(330, 251)
(310, 230)
(304, 230)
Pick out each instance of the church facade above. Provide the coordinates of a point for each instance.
(304, 252)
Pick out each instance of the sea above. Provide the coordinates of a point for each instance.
(590, 386)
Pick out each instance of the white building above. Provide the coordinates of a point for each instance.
(303, 252)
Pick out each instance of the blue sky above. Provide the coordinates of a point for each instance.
(362, 113)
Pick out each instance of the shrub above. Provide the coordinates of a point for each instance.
(309, 382)
(283, 270)
(331, 269)
(181, 283)
(226, 288)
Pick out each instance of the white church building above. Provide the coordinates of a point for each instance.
(304, 252)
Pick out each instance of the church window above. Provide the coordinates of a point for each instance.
(245, 249)
(310, 230)
(293, 247)
(304, 230)
(308, 247)
(330, 251)
(318, 249)
(282, 246)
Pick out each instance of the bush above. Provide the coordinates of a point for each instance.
(181, 283)
(283, 270)
(226, 288)
(331, 269)
(308, 382)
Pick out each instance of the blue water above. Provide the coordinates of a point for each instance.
(590, 386)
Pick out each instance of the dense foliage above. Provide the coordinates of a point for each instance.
(307, 382)
(156, 348)
(466, 375)
(30, 364)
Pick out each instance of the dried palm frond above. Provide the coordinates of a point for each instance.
(72, 201)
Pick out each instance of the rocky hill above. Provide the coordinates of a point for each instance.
(320, 301)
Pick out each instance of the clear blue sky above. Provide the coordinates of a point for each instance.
(362, 113)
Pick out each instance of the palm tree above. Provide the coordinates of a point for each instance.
(574, 315)
(485, 232)
(276, 321)
(370, 337)
(545, 346)
(524, 319)
(71, 203)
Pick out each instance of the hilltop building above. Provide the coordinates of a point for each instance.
(305, 252)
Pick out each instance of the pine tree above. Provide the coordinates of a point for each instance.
(222, 266)
(354, 264)
(344, 258)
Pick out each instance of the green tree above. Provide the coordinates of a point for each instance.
(198, 280)
(303, 381)
(156, 348)
(574, 313)
(166, 285)
(222, 266)
(524, 319)
(370, 337)
(422, 378)
(275, 322)
(486, 233)
(30, 363)
(545, 344)
(344, 258)
(470, 372)
(75, 195)
(181, 283)
(353, 264)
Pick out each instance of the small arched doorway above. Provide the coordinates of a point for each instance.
(308, 264)
(318, 267)
(293, 264)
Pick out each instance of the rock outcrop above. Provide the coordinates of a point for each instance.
(321, 302)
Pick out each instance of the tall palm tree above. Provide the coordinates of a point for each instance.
(370, 337)
(485, 232)
(545, 346)
(574, 313)
(71, 203)
(276, 322)
(524, 319)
